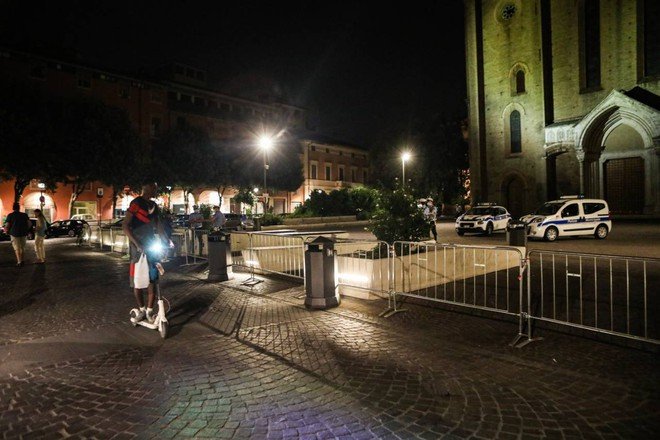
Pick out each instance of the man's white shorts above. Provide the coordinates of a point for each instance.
(18, 243)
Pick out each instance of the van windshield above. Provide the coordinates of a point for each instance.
(549, 208)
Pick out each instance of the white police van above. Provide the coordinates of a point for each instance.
(484, 219)
(569, 216)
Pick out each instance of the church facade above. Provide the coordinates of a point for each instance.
(563, 99)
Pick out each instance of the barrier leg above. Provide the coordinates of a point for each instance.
(252, 280)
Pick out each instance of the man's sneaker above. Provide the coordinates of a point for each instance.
(150, 316)
(137, 317)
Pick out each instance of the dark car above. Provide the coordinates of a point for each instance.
(114, 225)
(71, 228)
(4, 236)
(180, 221)
(33, 227)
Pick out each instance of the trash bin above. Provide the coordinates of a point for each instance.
(516, 234)
(321, 290)
(257, 223)
(220, 261)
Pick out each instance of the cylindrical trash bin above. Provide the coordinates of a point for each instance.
(220, 261)
(321, 290)
(516, 234)
(257, 223)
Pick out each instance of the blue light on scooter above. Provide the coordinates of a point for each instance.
(156, 247)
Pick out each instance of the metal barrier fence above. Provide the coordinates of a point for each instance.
(607, 294)
(477, 277)
(363, 268)
(269, 253)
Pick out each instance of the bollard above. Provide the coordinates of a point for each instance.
(219, 252)
(321, 290)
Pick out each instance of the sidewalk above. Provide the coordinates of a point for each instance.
(255, 363)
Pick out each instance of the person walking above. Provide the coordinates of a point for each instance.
(431, 215)
(18, 226)
(39, 236)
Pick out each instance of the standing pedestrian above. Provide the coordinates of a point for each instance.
(431, 215)
(196, 220)
(39, 236)
(218, 218)
(18, 226)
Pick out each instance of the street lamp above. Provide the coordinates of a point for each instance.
(404, 158)
(265, 143)
(42, 199)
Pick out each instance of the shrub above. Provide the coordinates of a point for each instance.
(271, 219)
(397, 218)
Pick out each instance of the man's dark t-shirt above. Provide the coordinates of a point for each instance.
(144, 221)
(20, 224)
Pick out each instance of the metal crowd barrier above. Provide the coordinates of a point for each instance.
(605, 294)
(269, 253)
(477, 277)
(363, 268)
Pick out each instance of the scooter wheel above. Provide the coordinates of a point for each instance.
(133, 314)
(162, 329)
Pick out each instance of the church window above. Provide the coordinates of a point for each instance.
(651, 38)
(590, 44)
(520, 81)
(514, 127)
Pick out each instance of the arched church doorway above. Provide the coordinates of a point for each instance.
(514, 193)
(624, 185)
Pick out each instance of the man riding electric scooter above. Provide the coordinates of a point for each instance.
(145, 233)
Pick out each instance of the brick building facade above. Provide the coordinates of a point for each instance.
(155, 102)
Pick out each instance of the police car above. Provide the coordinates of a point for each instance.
(483, 218)
(569, 216)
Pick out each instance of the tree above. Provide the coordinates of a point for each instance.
(184, 157)
(25, 129)
(438, 163)
(397, 218)
(92, 141)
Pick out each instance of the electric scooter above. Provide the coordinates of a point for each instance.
(160, 323)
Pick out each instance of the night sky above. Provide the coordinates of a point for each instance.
(360, 68)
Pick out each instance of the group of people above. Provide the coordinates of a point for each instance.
(18, 226)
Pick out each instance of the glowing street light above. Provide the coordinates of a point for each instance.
(405, 156)
(266, 143)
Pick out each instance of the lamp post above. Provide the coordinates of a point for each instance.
(265, 143)
(404, 158)
(42, 199)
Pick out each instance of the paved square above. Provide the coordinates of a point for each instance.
(254, 363)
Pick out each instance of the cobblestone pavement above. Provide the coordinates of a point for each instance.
(254, 363)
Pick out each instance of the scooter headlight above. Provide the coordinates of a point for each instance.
(156, 247)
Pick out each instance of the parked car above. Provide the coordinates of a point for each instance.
(33, 228)
(71, 228)
(114, 225)
(180, 221)
(569, 216)
(238, 222)
(485, 218)
(86, 217)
